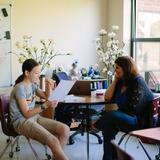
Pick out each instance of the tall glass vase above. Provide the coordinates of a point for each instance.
(109, 79)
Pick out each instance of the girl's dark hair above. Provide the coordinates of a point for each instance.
(27, 65)
(129, 68)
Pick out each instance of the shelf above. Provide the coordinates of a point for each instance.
(98, 84)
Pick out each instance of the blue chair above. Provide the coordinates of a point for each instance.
(62, 113)
(61, 76)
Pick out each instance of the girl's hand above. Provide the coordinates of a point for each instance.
(50, 82)
(51, 104)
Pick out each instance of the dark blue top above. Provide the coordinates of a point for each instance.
(135, 98)
(120, 98)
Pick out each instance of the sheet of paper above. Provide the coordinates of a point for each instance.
(72, 98)
(61, 91)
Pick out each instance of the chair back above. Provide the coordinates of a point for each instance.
(61, 76)
(7, 128)
(120, 154)
(150, 118)
(149, 115)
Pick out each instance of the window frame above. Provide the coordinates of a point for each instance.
(134, 39)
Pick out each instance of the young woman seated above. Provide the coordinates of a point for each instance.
(131, 94)
(24, 113)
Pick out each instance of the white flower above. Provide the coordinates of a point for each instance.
(98, 39)
(27, 37)
(109, 43)
(110, 73)
(108, 49)
(111, 34)
(115, 28)
(42, 54)
(102, 32)
(104, 70)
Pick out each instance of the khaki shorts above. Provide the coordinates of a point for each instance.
(40, 129)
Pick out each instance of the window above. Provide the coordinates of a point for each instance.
(145, 34)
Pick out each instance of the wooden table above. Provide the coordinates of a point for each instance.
(152, 134)
(86, 101)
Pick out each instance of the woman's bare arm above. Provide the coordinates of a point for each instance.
(110, 90)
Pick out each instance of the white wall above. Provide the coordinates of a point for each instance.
(119, 14)
(73, 24)
(115, 12)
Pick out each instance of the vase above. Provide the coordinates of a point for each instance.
(109, 79)
(42, 82)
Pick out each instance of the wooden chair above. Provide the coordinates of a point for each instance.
(151, 135)
(9, 131)
(149, 118)
(120, 154)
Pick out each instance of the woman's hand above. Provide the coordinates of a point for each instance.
(110, 90)
(115, 77)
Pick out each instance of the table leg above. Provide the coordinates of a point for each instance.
(87, 129)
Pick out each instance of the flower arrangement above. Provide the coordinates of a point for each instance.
(43, 55)
(108, 49)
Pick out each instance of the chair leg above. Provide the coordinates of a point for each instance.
(157, 157)
(12, 146)
(46, 153)
(98, 136)
(122, 138)
(8, 139)
(17, 147)
(35, 153)
(10, 142)
(4, 150)
(148, 156)
(125, 145)
(33, 150)
(71, 141)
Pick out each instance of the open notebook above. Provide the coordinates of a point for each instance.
(61, 91)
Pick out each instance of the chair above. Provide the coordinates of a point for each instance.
(120, 154)
(61, 75)
(65, 114)
(6, 128)
(9, 131)
(62, 113)
(149, 119)
(152, 134)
